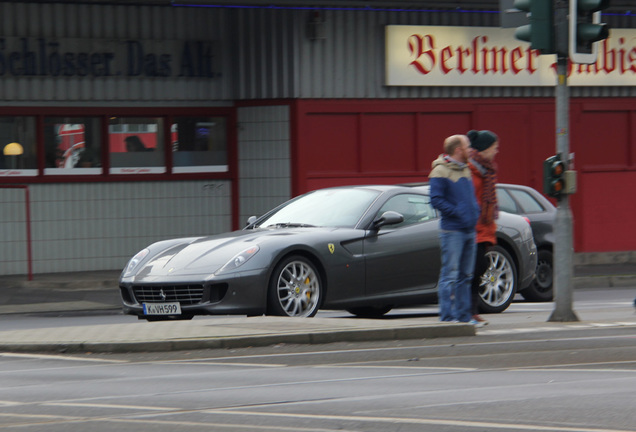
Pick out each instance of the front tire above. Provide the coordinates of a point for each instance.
(295, 289)
(499, 283)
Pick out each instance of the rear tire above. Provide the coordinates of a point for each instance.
(541, 288)
(499, 282)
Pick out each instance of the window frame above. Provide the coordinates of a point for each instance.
(26, 141)
(517, 194)
(408, 221)
(105, 113)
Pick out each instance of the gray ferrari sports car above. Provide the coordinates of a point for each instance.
(364, 249)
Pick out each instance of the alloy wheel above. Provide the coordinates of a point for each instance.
(498, 283)
(297, 289)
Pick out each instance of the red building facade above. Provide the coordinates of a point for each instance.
(380, 141)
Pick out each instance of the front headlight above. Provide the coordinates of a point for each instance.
(134, 262)
(239, 259)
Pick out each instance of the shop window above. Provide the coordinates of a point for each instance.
(199, 144)
(136, 145)
(72, 145)
(17, 138)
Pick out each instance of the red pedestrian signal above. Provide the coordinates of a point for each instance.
(553, 176)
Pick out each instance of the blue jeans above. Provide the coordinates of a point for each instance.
(458, 262)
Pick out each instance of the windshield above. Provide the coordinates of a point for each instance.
(325, 208)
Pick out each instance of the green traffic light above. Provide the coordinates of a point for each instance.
(591, 32)
(540, 31)
(586, 29)
(523, 5)
(592, 5)
(524, 33)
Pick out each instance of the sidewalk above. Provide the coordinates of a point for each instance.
(91, 291)
(60, 292)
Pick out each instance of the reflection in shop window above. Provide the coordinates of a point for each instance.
(72, 145)
(199, 144)
(17, 139)
(136, 145)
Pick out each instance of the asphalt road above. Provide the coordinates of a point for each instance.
(510, 377)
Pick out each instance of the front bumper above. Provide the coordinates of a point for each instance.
(233, 294)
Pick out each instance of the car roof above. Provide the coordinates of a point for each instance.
(532, 191)
(421, 187)
(515, 186)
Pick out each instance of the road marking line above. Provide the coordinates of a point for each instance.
(111, 406)
(37, 416)
(241, 426)
(566, 369)
(222, 363)
(60, 357)
(415, 421)
(61, 420)
(582, 326)
(358, 366)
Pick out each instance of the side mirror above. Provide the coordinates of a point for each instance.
(251, 220)
(388, 218)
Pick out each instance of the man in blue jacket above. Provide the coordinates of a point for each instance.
(453, 195)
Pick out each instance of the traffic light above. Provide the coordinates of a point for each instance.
(540, 31)
(553, 176)
(586, 29)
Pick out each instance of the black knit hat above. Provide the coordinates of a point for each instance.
(481, 140)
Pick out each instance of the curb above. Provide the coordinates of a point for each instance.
(605, 281)
(314, 338)
(57, 307)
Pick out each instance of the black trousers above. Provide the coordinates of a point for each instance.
(481, 265)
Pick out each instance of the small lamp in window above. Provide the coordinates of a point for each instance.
(13, 151)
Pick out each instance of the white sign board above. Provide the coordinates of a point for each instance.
(491, 56)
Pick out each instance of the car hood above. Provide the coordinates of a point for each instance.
(207, 255)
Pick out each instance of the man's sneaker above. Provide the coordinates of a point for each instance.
(477, 324)
(479, 318)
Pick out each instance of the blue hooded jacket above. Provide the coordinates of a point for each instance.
(452, 193)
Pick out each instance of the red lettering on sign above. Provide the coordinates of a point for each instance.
(483, 58)
(417, 45)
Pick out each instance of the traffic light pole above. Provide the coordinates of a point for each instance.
(563, 245)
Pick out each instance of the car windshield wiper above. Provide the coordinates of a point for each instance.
(292, 225)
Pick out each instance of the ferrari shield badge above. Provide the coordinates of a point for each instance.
(331, 247)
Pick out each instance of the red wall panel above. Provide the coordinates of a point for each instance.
(600, 139)
(331, 143)
(539, 136)
(389, 142)
(433, 129)
(511, 125)
(606, 222)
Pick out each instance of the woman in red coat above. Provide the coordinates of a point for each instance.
(484, 147)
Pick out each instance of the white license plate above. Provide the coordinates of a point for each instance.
(162, 309)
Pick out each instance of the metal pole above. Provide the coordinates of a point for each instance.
(563, 247)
